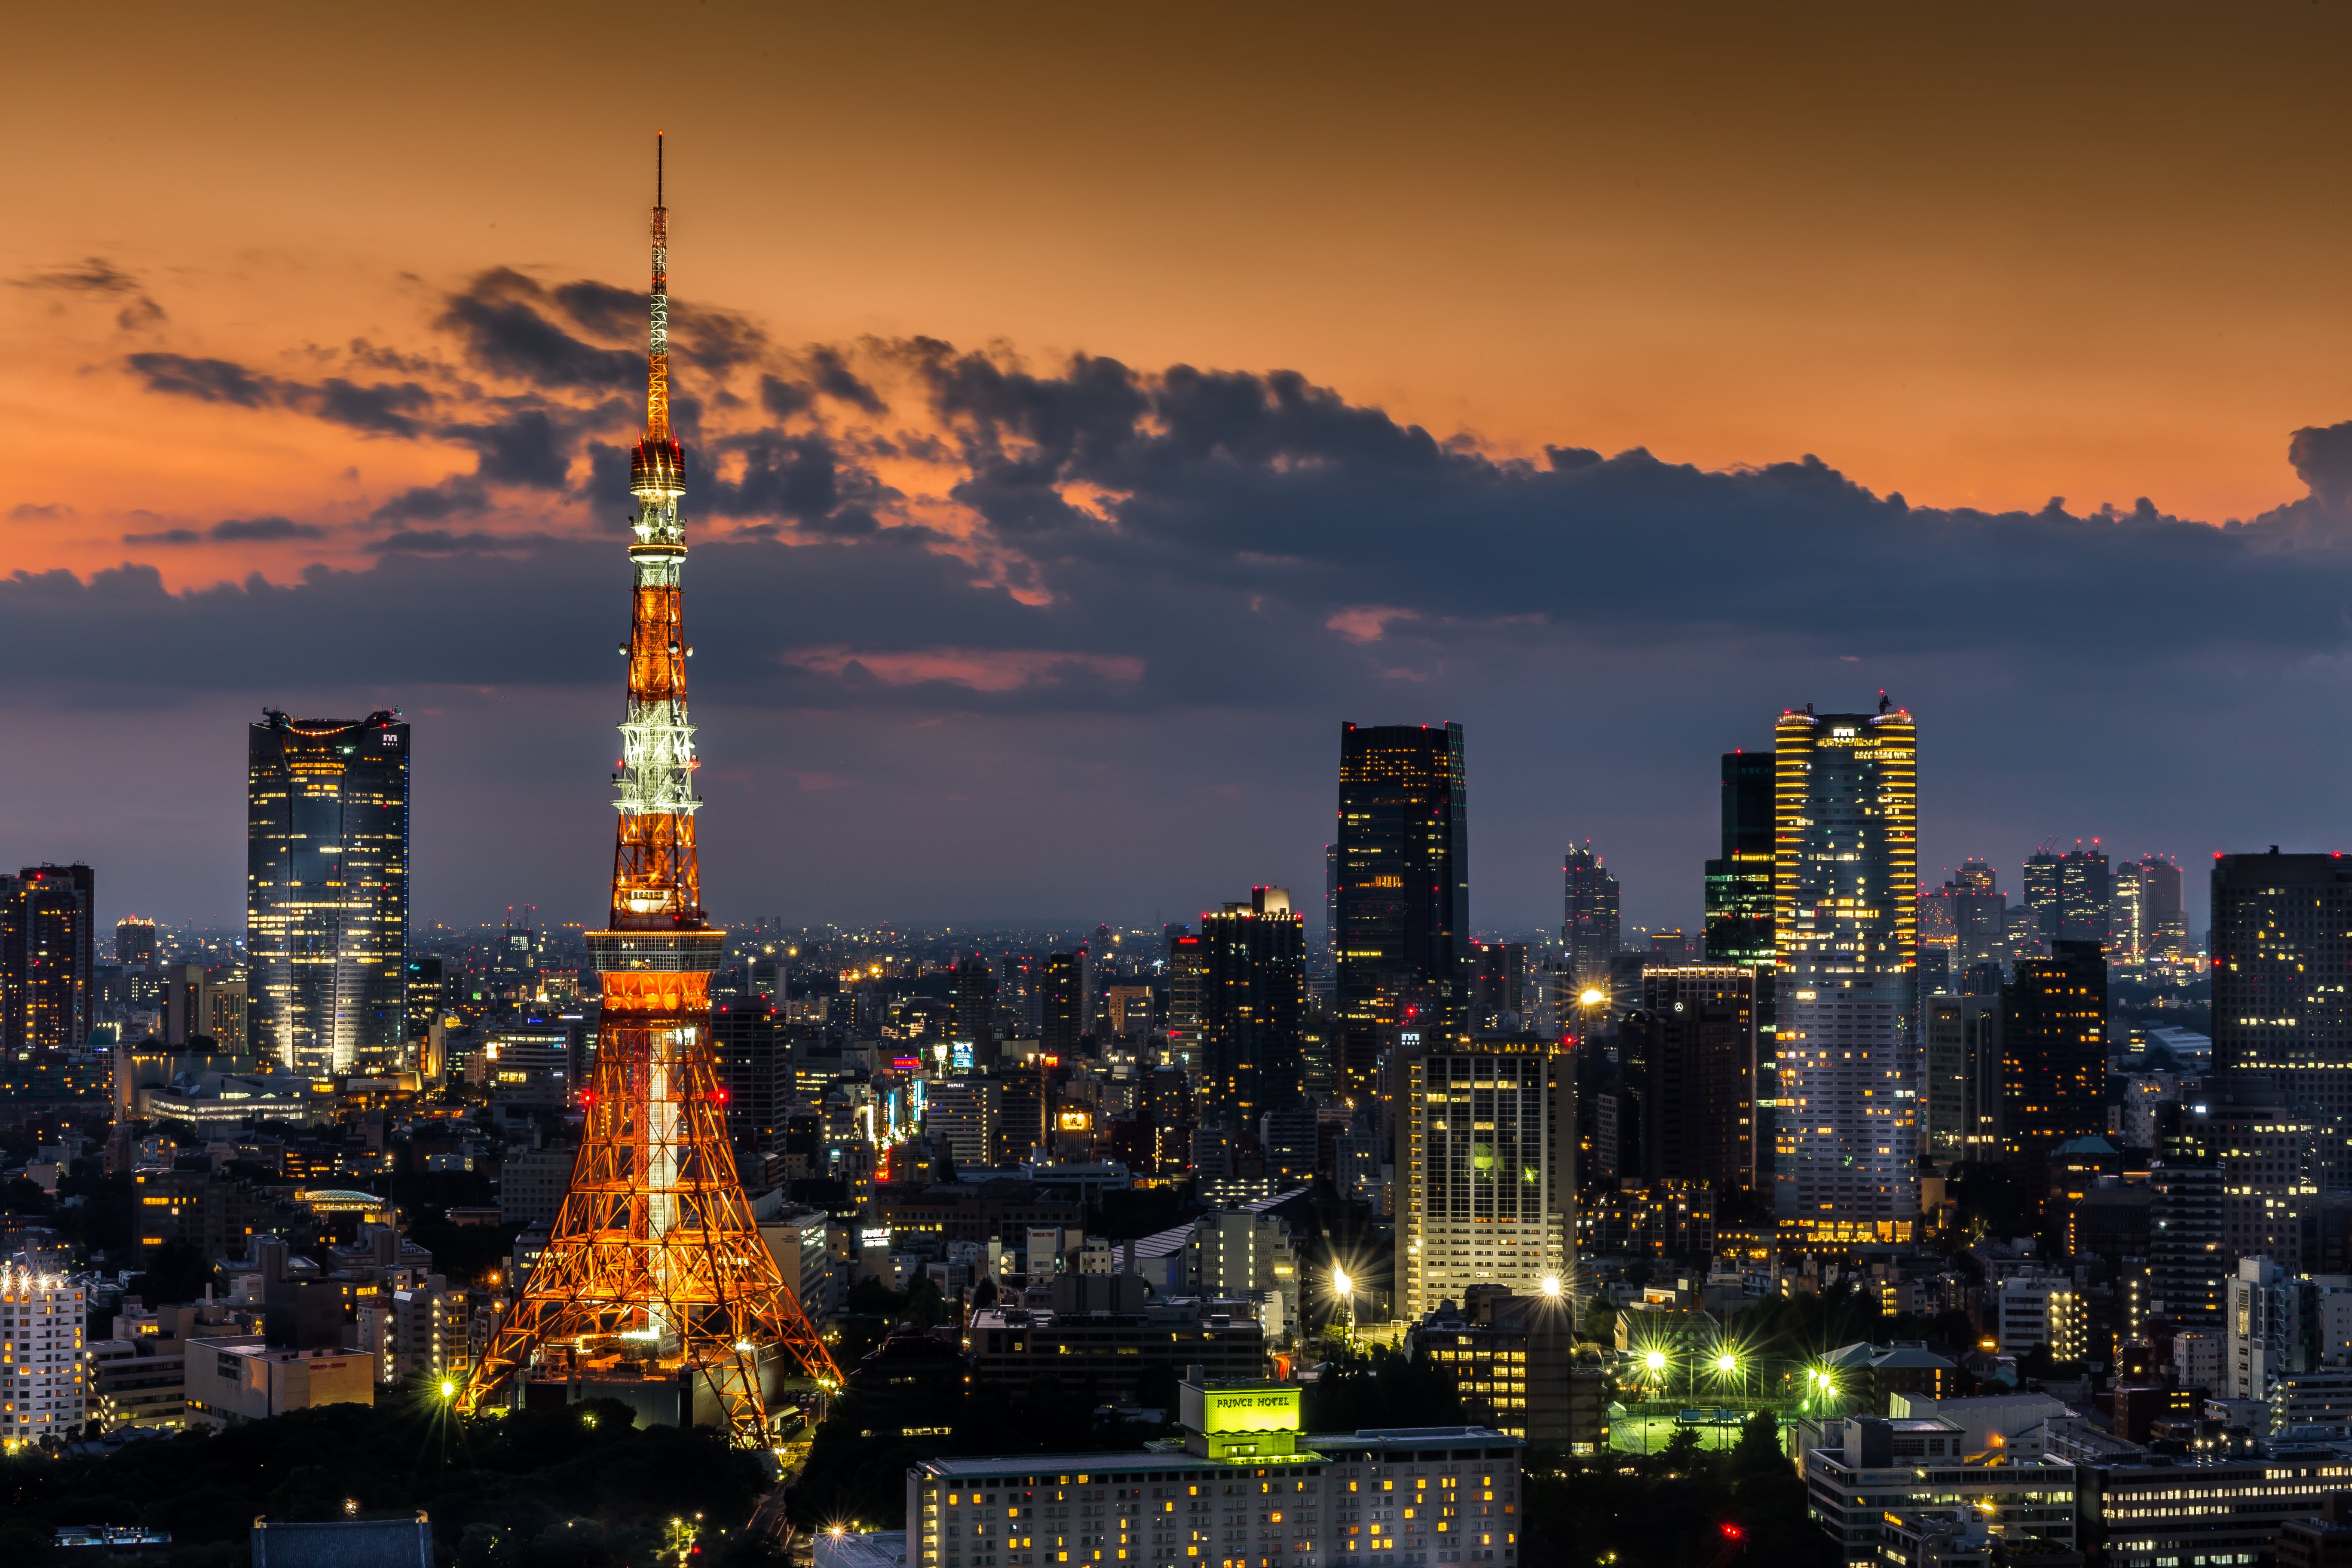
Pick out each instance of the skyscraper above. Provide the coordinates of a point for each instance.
(1845, 886)
(1698, 1050)
(974, 1001)
(1063, 1016)
(1487, 1157)
(1404, 888)
(2086, 895)
(1589, 929)
(2160, 912)
(2043, 875)
(327, 889)
(47, 958)
(1739, 882)
(2281, 968)
(134, 942)
(2053, 1038)
(1252, 995)
(1960, 1092)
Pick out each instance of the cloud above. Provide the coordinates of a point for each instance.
(381, 408)
(42, 512)
(497, 319)
(978, 670)
(2322, 455)
(98, 277)
(234, 531)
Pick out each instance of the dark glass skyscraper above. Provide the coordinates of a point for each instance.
(2282, 971)
(2053, 1038)
(1588, 927)
(1404, 888)
(1062, 1016)
(47, 958)
(1740, 883)
(327, 889)
(1254, 991)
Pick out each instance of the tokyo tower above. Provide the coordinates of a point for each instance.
(655, 1270)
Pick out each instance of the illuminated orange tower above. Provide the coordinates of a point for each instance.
(655, 1266)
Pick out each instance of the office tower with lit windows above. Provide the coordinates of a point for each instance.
(1062, 1020)
(49, 976)
(2282, 970)
(2043, 871)
(1960, 1088)
(1589, 928)
(2085, 896)
(973, 1001)
(1486, 1160)
(1253, 994)
(755, 1060)
(1404, 889)
(1845, 891)
(1694, 1035)
(1187, 975)
(1498, 986)
(2160, 912)
(327, 891)
(2053, 1038)
(134, 942)
(1740, 881)
(426, 1004)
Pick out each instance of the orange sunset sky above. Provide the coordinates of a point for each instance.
(1980, 255)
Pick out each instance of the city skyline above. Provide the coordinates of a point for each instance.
(1007, 560)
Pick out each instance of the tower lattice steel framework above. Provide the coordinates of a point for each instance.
(656, 1265)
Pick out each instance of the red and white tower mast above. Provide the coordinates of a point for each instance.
(656, 1265)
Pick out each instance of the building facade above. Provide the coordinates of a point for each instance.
(41, 1320)
(1253, 994)
(327, 891)
(49, 989)
(1845, 898)
(1697, 1046)
(1960, 1090)
(2053, 1038)
(1740, 881)
(1589, 930)
(1249, 1489)
(2281, 965)
(1403, 892)
(1486, 1161)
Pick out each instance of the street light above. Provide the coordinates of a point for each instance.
(1346, 1287)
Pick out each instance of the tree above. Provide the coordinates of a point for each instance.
(1758, 1449)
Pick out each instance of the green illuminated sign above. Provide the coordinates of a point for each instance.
(1250, 1410)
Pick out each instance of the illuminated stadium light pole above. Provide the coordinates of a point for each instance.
(654, 1252)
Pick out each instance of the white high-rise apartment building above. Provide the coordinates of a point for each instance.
(1846, 884)
(46, 1389)
(1486, 1161)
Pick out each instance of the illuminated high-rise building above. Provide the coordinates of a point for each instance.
(1589, 929)
(1485, 1159)
(48, 991)
(327, 891)
(2085, 896)
(1404, 889)
(134, 942)
(2053, 1038)
(1062, 1020)
(2161, 917)
(1739, 882)
(2283, 986)
(1845, 889)
(1252, 994)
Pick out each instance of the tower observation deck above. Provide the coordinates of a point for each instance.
(655, 1278)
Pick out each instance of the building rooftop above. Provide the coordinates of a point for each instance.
(344, 1543)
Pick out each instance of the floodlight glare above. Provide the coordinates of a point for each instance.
(1592, 997)
(1726, 1363)
(1340, 1283)
(1657, 1360)
(1551, 1284)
